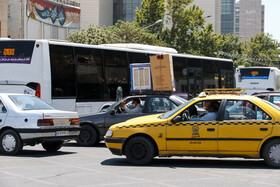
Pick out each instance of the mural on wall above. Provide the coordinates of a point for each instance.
(54, 13)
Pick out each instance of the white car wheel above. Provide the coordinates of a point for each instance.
(11, 142)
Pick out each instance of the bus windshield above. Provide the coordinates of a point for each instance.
(254, 73)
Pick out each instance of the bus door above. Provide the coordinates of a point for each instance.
(226, 79)
(194, 80)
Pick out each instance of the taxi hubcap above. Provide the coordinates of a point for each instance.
(9, 142)
(274, 153)
(138, 151)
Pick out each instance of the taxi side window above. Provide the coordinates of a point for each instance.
(244, 110)
(2, 108)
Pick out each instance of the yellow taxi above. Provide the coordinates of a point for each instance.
(234, 126)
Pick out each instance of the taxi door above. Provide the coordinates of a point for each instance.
(244, 126)
(192, 135)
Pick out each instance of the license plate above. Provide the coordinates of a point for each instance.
(62, 133)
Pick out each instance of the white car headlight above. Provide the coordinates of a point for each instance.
(109, 133)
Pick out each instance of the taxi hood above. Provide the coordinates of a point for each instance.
(143, 120)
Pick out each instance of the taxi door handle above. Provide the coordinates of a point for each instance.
(263, 129)
(211, 129)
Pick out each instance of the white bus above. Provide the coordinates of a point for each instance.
(84, 78)
(257, 79)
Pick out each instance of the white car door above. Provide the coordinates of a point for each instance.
(3, 113)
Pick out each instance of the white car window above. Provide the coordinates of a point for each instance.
(25, 102)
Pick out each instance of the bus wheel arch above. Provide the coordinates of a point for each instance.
(89, 135)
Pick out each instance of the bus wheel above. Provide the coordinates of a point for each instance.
(88, 136)
(139, 150)
(10, 142)
(271, 153)
(52, 146)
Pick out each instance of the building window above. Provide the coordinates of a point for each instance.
(237, 28)
(237, 11)
(9, 11)
(237, 20)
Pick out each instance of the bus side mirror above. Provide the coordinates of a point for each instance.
(176, 119)
(112, 112)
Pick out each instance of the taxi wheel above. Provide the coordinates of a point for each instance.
(271, 153)
(52, 146)
(88, 136)
(139, 150)
(11, 143)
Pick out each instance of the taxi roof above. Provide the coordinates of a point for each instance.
(227, 96)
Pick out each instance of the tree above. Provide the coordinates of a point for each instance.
(121, 32)
(151, 12)
(95, 35)
(262, 50)
(179, 19)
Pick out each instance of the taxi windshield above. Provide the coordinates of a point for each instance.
(175, 110)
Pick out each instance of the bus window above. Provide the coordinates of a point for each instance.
(180, 74)
(211, 74)
(116, 72)
(62, 71)
(90, 76)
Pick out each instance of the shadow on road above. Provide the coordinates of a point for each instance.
(194, 163)
(40, 153)
(74, 144)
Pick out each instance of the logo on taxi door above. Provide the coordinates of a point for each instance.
(195, 130)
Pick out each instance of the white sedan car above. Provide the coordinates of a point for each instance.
(27, 120)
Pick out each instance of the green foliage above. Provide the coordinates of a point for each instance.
(262, 50)
(152, 11)
(182, 21)
(121, 32)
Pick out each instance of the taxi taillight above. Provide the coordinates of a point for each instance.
(75, 121)
(45, 122)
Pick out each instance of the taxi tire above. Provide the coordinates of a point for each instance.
(87, 130)
(52, 146)
(139, 150)
(12, 135)
(267, 151)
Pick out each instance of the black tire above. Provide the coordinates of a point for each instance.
(52, 146)
(271, 153)
(10, 142)
(140, 151)
(88, 136)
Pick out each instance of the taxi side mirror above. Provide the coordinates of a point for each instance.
(176, 119)
(112, 112)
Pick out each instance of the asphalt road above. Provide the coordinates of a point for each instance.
(96, 166)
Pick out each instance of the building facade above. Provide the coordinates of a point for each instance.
(244, 18)
(249, 18)
(212, 12)
(42, 19)
(96, 12)
(125, 10)
(4, 18)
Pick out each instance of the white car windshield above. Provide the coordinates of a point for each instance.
(25, 102)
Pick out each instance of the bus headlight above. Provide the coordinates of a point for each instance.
(109, 133)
